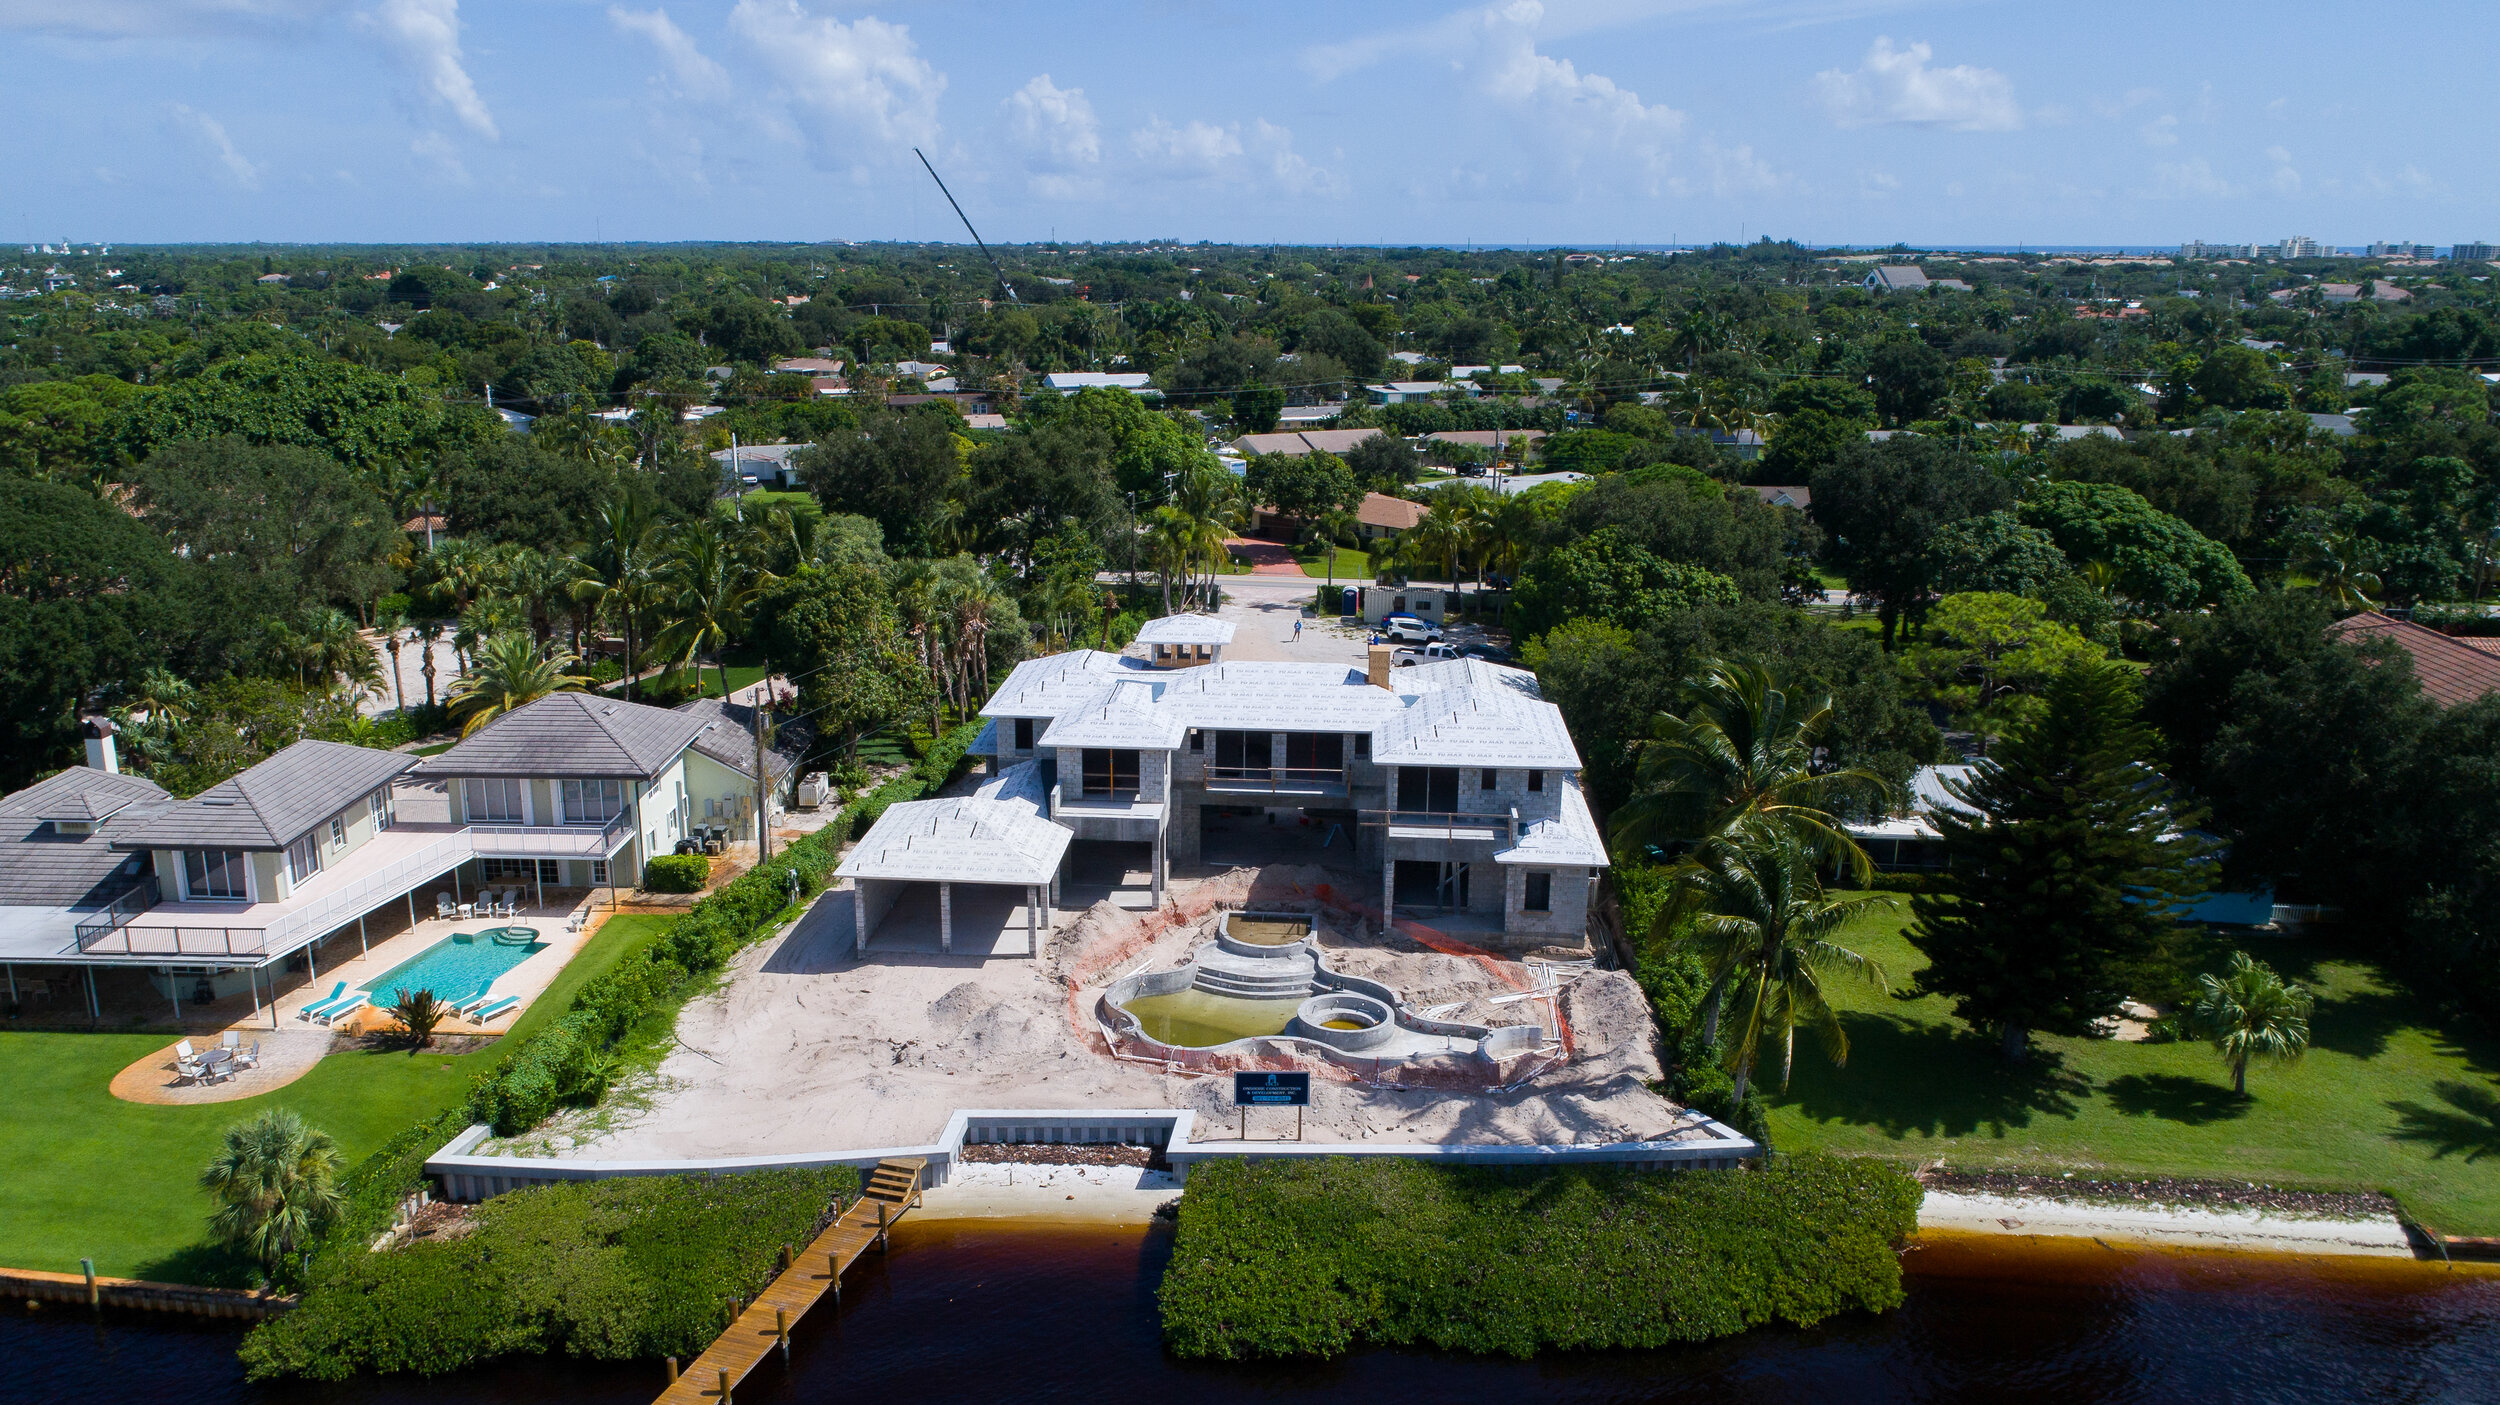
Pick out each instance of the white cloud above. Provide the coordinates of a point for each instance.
(2161, 131)
(1055, 130)
(1260, 155)
(865, 84)
(1896, 88)
(2286, 179)
(1579, 116)
(427, 35)
(695, 74)
(1878, 185)
(2193, 178)
(211, 135)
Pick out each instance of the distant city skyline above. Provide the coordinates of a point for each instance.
(1669, 122)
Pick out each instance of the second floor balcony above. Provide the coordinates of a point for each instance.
(1299, 782)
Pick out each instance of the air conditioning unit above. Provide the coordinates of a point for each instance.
(813, 788)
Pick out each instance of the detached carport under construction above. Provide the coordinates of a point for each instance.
(998, 841)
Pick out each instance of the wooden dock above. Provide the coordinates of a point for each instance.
(765, 1325)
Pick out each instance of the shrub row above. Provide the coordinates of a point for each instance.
(676, 873)
(1314, 1258)
(570, 1060)
(617, 1270)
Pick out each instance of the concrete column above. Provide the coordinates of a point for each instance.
(1158, 868)
(1388, 886)
(946, 917)
(1032, 920)
(363, 947)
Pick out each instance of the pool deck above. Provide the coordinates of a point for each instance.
(290, 1051)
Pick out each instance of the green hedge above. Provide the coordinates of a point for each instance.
(1902, 882)
(1314, 1258)
(620, 1270)
(676, 873)
(569, 1061)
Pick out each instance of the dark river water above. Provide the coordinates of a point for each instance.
(968, 1310)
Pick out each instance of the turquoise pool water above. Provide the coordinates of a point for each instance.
(454, 967)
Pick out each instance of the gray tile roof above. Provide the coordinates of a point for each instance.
(79, 793)
(575, 735)
(731, 738)
(274, 803)
(42, 867)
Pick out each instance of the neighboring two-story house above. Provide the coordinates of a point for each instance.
(1453, 781)
(571, 792)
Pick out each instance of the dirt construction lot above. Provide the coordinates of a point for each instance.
(808, 1047)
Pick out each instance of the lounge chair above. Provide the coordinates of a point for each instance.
(476, 996)
(330, 1014)
(499, 1007)
(313, 1011)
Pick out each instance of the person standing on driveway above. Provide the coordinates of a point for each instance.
(1297, 631)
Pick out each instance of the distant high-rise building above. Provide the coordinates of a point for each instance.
(2475, 251)
(2199, 249)
(2300, 246)
(2404, 251)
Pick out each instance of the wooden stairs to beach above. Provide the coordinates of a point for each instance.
(765, 1325)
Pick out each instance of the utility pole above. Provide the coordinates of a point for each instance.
(763, 777)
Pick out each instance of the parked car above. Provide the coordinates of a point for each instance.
(1490, 653)
(1406, 629)
(1408, 658)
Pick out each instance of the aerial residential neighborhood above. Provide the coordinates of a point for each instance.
(770, 701)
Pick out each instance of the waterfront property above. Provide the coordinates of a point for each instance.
(229, 894)
(1453, 781)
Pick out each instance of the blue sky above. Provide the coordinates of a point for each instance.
(1518, 121)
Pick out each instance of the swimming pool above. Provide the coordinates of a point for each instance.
(459, 967)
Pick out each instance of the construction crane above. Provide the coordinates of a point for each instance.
(1004, 285)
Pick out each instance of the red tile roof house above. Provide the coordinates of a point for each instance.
(2451, 671)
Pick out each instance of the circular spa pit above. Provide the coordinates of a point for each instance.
(1345, 1020)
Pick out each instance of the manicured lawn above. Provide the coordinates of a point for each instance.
(84, 1174)
(2385, 1100)
(1353, 567)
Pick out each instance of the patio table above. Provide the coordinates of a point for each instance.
(216, 1064)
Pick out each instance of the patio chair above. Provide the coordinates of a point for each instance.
(248, 1058)
(230, 1040)
(313, 1011)
(187, 1062)
(500, 1007)
(511, 903)
(444, 906)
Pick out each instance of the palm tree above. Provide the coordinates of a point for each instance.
(1334, 526)
(2333, 565)
(510, 674)
(2252, 1013)
(275, 1184)
(616, 568)
(705, 596)
(418, 1013)
(1744, 750)
(1761, 922)
(390, 623)
(336, 652)
(163, 696)
(428, 634)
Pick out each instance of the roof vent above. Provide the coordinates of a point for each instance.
(608, 711)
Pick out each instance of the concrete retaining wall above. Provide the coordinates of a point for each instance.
(464, 1177)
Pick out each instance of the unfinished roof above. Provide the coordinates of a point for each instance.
(1187, 629)
(1121, 714)
(1047, 686)
(1571, 839)
(1476, 725)
(998, 834)
(730, 740)
(41, 866)
(274, 803)
(575, 735)
(2450, 672)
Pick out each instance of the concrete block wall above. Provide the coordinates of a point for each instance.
(1569, 917)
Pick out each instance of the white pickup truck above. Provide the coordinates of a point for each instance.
(1427, 653)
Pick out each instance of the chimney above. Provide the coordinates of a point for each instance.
(1379, 670)
(100, 753)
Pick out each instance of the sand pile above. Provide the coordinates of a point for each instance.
(807, 1048)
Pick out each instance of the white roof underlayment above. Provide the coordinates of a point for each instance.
(1570, 838)
(1001, 833)
(1453, 712)
(1187, 629)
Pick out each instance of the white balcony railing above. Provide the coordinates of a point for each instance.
(571, 841)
